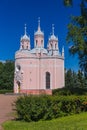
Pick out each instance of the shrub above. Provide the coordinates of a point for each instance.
(34, 108)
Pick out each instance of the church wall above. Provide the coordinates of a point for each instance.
(55, 68)
(30, 69)
(60, 73)
(34, 73)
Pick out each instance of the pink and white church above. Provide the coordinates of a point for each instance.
(38, 70)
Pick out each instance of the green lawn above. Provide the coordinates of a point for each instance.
(74, 122)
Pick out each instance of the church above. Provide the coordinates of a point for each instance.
(38, 70)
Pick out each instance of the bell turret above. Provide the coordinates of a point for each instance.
(53, 43)
(25, 40)
(39, 36)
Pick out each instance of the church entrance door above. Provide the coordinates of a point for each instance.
(18, 86)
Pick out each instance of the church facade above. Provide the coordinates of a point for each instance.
(38, 70)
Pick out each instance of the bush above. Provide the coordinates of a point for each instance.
(34, 108)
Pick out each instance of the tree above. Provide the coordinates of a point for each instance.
(77, 34)
(70, 79)
(67, 2)
(81, 79)
(75, 79)
(6, 75)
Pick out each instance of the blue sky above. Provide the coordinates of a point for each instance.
(15, 13)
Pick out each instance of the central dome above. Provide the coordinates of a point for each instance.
(39, 32)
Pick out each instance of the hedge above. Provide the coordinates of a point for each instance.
(4, 91)
(70, 91)
(34, 108)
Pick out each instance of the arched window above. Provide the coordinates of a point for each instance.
(55, 46)
(42, 42)
(22, 46)
(47, 80)
(36, 42)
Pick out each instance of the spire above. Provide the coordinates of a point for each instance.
(39, 24)
(39, 32)
(25, 37)
(25, 28)
(63, 51)
(53, 37)
(25, 40)
(52, 29)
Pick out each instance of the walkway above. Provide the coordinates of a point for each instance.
(6, 112)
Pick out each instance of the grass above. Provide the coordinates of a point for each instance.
(74, 122)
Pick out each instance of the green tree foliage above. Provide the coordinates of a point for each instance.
(75, 80)
(69, 80)
(81, 79)
(75, 84)
(68, 2)
(77, 34)
(6, 75)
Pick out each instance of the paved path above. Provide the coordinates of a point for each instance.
(6, 112)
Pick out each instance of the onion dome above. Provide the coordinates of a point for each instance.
(39, 32)
(25, 37)
(53, 37)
